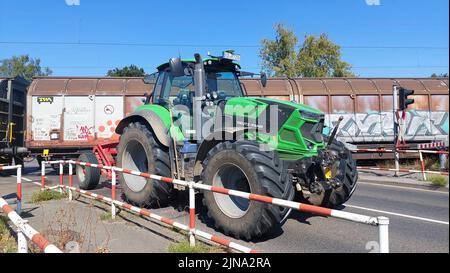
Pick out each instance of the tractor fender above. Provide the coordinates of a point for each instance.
(151, 120)
(222, 135)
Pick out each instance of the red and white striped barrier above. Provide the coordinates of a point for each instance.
(422, 162)
(400, 170)
(18, 169)
(433, 145)
(147, 213)
(400, 151)
(28, 231)
(382, 222)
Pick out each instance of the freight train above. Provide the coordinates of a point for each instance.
(12, 120)
(68, 115)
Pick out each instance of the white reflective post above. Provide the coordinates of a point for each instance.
(383, 229)
(113, 193)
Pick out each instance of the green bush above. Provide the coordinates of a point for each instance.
(438, 180)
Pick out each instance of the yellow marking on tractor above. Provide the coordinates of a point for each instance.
(328, 173)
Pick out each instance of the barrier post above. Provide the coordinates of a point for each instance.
(22, 246)
(422, 165)
(19, 189)
(191, 214)
(113, 193)
(383, 230)
(70, 180)
(43, 175)
(61, 172)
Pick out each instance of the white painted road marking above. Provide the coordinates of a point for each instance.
(24, 178)
(399, 214)
(400, 187)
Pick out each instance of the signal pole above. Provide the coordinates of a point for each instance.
(396, 127)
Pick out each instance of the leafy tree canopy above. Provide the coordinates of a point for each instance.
(23, 66)
(127, 71)
(316, 56)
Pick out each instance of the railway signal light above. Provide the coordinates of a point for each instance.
(403, 100)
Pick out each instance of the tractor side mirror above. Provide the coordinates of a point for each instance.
(176, 67)
(263, 79)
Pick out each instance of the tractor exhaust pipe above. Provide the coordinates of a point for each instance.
(200, 91)
(333, 134)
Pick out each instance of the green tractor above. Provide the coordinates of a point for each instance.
(198, 125)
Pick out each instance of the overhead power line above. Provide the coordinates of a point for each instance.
(252, 67)
(50, 43)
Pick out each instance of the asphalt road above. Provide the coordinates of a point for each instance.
(419, 220)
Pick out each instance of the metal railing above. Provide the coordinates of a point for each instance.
(24, 230)
(423, 169)
(381, 222)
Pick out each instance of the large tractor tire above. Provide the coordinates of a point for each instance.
(243, 166)
(87, 177)
(138, 150)
(336, 197)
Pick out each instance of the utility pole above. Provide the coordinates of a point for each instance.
(396, 128)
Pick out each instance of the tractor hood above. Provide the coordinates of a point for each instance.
(298, 130)
(254, 107)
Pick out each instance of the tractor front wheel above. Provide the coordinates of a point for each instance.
(138, 150)
(243, 166)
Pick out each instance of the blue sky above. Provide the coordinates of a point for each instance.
(413, 34)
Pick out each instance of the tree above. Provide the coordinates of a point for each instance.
(127, 71)
(316, 57)
(278, 56)
(441, 75)
(23, 66)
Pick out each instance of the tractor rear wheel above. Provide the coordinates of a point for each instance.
(138, 150)
(244, 167)
(335, 197)
(87, 177)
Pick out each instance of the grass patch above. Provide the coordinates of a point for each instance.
(7, 243)
(438, 180)
(184, 247)
(107, 217)
(42, 196)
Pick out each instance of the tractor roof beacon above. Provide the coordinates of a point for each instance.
(197, 124)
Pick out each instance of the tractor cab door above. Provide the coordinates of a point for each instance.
(176, 95)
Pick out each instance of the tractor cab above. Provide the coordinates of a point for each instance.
(175, 89)
(175, 82)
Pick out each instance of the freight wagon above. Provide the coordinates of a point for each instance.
(12, 120)
(70, 114)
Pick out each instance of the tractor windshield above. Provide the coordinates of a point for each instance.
(226, 84)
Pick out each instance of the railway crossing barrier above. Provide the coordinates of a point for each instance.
(381, 222)
(24, 230)
(18, 169)
(423, 170)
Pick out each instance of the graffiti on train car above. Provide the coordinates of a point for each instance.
(376, 126)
